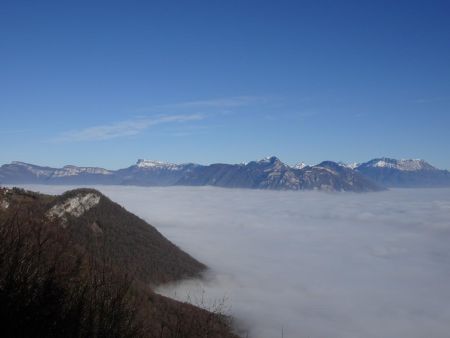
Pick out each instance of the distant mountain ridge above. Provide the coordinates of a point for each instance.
(268, 173)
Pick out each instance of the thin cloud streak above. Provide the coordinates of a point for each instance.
(218, 103)
(123, 128)
(230, 102)
(138, 125)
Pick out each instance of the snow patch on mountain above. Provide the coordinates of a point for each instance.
(70, 170)
(352, 165)
(152, 164)
(300, 165)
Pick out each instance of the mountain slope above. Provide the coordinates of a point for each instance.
(335, 177)
(87, 267)
(125, 238)
(94, 221)
(269, 173)
(404, 173)
(23, 173)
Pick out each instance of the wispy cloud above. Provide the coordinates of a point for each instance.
(218, 103)
(168, 114)
(123, 128)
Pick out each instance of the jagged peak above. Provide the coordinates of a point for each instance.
(328, 164)
(269, 159)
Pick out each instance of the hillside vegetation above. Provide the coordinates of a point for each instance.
(79, 265)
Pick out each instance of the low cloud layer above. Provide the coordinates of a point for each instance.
(313, 264)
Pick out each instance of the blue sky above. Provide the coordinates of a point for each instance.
(103, 83)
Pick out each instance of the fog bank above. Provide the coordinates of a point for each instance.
(315, 264)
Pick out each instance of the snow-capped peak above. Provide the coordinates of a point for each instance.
(300, 165)
(403, 164)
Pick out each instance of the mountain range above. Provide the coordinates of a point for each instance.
(268, 173)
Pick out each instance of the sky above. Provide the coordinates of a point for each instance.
(316, 264)
(103, 83)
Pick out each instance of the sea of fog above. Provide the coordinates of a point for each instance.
(310, 264)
